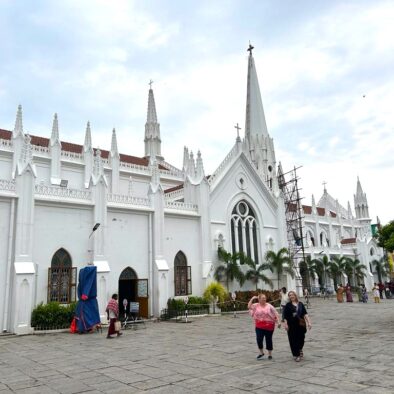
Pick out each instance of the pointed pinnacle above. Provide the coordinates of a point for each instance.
(18, 122)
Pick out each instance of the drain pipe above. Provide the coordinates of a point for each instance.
(8, 267)
(150, 265)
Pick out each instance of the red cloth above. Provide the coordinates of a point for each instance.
(73, 327)
(265, 325)
(84, 297)
(113, 306)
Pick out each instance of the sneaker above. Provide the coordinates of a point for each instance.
(120, 333)
(109, 337)
(297, 359)
(260, 357)
(269, 357)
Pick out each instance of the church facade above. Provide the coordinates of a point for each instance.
(152, 230)
(157, 227)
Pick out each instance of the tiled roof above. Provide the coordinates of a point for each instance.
(346, 241)
(75, 148)
(320, 211)
(172, 189)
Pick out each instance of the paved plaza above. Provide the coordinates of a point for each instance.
(350, 349)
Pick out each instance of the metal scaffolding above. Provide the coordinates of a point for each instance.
(288, 184)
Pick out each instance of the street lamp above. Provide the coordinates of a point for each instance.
(95, 227)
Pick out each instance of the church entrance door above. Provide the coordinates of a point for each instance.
(133, 289)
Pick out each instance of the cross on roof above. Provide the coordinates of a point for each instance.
(150, 84)
(324, 185)
(238, 128)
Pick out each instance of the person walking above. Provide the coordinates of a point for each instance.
(376, 294)
(284, 299)
(349, 297)
(265, 316)
(112, 315)
(296, 323)
(340, 291)
(364, 294)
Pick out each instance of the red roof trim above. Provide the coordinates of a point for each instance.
(346, 241)
(172, 189)
(75, 148)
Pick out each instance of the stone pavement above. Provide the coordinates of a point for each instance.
(349, 349)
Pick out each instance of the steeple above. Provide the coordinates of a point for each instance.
(361, 202)
(259, 144)
(152, 129)
(18, 129)
(87, 146)
(55, 131)
(255, 118)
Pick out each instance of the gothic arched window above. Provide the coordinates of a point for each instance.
(244, 231)
(62, 278)
(182, 275)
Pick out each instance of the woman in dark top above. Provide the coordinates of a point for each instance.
(296, 320)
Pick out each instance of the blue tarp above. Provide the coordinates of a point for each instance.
(87, 311)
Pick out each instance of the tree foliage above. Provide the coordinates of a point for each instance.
(280, 263)
(385, 237)
(230, 269)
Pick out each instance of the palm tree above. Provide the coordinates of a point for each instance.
(256, 272)
(230, 270)
(322, 268)
(309, 267)
(337, 268)
(280, 263)
(355, 270)
(382, 268)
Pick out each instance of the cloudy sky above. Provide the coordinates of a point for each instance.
(325, 70)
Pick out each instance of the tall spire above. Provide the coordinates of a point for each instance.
(359, 188)
(361, 202)
(18, 129)
(55, 131)
(255, 118)
(152, 129)
(87, 146)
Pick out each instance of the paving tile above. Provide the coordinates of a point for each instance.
(343, 353)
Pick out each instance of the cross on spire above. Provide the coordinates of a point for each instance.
(238, 128)
(150, 84)
(324, 185)
(250, 48)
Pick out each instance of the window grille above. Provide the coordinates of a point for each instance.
(62, 278)
(182, 275)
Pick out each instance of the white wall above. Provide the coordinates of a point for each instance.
(183, 233)
(55, 227)
(127, 245)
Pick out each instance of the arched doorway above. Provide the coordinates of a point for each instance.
(133, 290)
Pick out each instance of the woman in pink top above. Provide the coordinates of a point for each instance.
(265, 316)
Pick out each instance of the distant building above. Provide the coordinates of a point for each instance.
(333, 231)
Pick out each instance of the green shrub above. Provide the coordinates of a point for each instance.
(52, 315)
(193, 304)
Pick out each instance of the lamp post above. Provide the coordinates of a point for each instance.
(95, 227)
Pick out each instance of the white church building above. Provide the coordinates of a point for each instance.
(159, 226)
